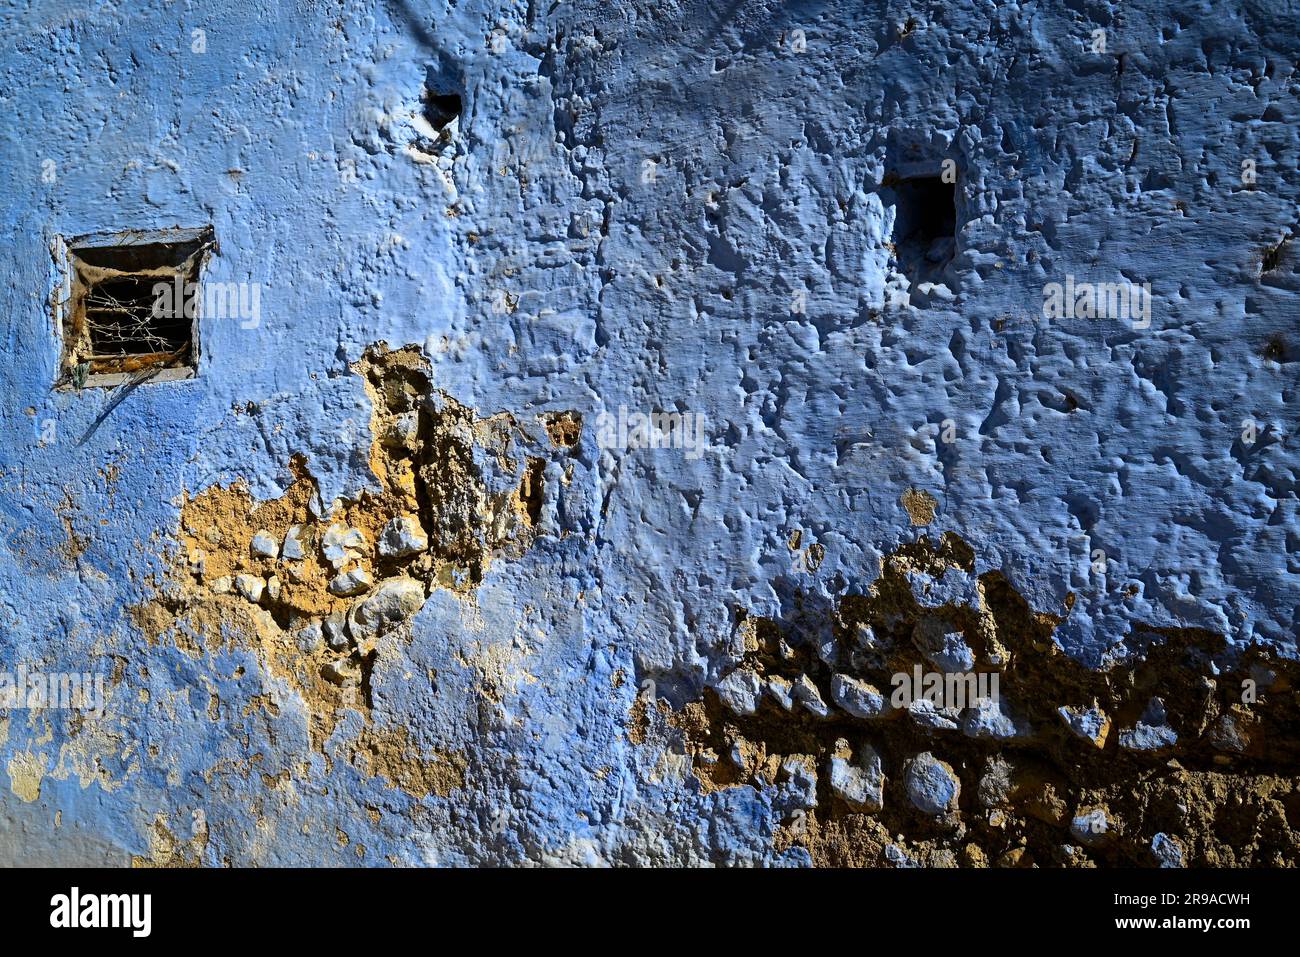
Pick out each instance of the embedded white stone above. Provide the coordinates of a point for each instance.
(309, 637)
(1152, 732)
(401, 537)
(860, 783)
(932, 785)
(341, 544)
(250, 586)
(335, 629)
(392, 603)
(263, 545)
(739, 691)
(779, 688)
(351, 582)
(1090, 724)
(1090, 827)
(857, 697)
(292, 549)
(807, 694)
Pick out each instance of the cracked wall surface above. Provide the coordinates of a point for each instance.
(375, 587)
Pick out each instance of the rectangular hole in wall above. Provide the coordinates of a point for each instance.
(131, 306)
(925, 227)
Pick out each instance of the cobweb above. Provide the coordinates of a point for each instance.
(121, 321)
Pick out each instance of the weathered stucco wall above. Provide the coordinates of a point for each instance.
(660, 207)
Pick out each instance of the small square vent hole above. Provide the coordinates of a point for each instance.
(131, 307)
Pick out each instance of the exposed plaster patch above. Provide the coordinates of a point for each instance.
(26, 770)
(1220, 777)
(167, 850)
(920, 506)
(564, 428)
(391, 754)
(95, 741)
(456, 492)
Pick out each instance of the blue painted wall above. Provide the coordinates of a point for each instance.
(648, 187)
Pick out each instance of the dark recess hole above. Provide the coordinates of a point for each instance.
(925, 225)
(925, 229)
(1273, 255)
(121, 321)
(1275, 349)
(441, 108)
(137, 256)
(530, 491)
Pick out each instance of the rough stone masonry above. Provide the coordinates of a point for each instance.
(943, 341)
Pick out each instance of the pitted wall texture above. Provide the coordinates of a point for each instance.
(577, 649)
